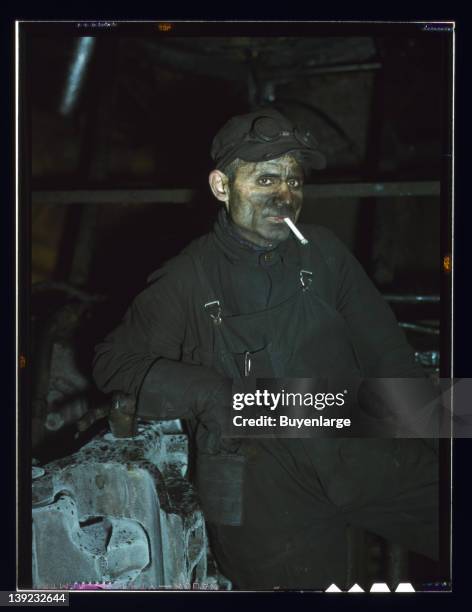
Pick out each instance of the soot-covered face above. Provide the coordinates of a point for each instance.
(261, 195)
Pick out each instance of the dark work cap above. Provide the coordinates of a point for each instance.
(262, 135)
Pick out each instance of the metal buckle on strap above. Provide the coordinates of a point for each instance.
(214, 310)
(247, 363)
(306, 278)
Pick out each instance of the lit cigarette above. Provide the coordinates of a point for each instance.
(295, 230)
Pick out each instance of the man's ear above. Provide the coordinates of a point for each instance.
(219, 185)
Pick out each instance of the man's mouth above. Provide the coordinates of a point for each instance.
(279, 218)
(275, 219)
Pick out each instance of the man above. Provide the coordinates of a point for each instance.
(249, 299)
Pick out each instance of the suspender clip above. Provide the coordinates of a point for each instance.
(306, 278)
(247, 363)
(214, 310)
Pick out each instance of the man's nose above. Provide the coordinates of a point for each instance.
(285, 196)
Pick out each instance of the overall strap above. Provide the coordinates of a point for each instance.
(212, 306)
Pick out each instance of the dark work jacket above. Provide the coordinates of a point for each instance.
(163, 352)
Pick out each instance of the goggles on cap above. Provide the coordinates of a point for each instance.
(268, 129)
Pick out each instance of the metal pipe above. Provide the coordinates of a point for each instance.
(281, 78)
(377, 190)
(422, 329)
(115, 196)
(77, 70)
(413, 299)
(344, 68)
(182, 196)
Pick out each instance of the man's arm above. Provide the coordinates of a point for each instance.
(380, 342)
(395, 385)
(141, 356)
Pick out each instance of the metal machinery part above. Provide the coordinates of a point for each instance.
(120, 512)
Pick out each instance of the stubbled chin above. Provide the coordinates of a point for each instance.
(278, 232)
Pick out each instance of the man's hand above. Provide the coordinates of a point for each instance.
(176, 390)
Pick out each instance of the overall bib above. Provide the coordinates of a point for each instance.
(278, 509)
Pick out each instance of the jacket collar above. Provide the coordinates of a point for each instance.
(239, 250)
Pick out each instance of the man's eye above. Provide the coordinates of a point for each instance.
(265, 180)
(295, 183)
